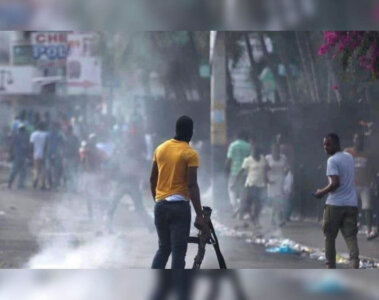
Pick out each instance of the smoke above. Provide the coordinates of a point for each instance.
(68, 239)
(71, 253)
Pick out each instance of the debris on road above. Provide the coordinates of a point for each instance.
(277, 245)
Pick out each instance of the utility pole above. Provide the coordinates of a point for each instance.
(218, 119)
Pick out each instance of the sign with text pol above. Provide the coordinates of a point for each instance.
(49, 45)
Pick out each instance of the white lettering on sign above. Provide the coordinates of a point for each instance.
(51, 52)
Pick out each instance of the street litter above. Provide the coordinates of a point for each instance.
(284, 249)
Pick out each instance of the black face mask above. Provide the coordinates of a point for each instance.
(183, 138)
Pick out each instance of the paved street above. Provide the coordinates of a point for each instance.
(51, 230)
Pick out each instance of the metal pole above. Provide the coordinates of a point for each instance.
(218, 120)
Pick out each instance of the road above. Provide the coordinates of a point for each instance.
(51, 230)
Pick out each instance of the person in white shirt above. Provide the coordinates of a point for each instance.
(38, 139)
(255, 166)
(341, 207)
(277, 171)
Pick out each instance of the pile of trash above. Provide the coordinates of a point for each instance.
(285, 247)
(277, 245)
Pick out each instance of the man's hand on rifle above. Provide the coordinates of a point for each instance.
(199, 222)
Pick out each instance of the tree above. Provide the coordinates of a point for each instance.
(354, 49)
(304, 76)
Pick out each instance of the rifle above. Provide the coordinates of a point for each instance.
(207, 236)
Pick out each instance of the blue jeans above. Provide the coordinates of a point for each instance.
(173, 222)
(252, 196)
(18, 167)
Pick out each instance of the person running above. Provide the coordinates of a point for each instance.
(341, 209)
(71, 159)
(126, 173)
(255, 185)
(91, 161)
(38, 139)
(363, 177)
(55, 144)
(19, 151)
(237, 152)
(173, 183)
(277, 171)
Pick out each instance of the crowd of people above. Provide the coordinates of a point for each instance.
(101, 159)
(45, 145)
(257, 180)
(64, 152)
(104, 159)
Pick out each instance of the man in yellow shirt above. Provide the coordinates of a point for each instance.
(173, 183)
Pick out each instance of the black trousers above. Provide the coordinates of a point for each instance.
(173, 222)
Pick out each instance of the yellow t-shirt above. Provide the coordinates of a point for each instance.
(173, 158)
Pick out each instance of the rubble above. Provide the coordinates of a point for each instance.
(285, 246)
